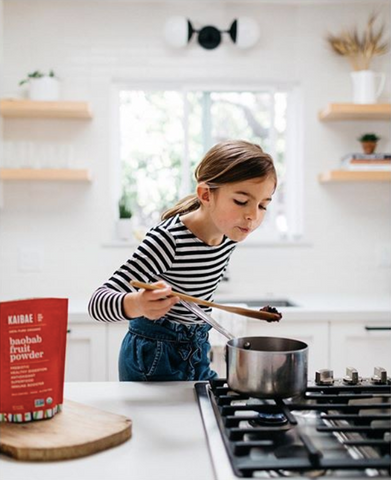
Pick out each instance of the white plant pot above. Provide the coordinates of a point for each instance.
(125, 229)
(44, 89)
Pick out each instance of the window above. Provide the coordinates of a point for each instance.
(165, 133)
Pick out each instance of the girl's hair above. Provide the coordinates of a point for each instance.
(227, 162)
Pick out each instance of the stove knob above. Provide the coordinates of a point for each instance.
(324, 377)
(379, 376)
(351, 376)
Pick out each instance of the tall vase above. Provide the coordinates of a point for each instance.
(367, 86)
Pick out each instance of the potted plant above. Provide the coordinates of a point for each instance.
(369, 142)
(360, 51)
(124, 222)
(42, 86)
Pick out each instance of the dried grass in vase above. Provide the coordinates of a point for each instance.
(360, 50)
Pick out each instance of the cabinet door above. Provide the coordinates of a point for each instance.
(314, 334)
(362, 346)
(86, 353)
(233, 324)
(115, 334)
(217, 360)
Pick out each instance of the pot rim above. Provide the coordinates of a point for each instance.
(303, 348)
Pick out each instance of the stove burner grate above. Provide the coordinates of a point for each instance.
(327, 430)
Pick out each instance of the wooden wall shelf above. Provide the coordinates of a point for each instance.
(46, 175)
(355, 176)
(354, 111)
(34, 109)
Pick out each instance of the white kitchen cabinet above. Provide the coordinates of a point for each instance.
(234, 324)
(315, 334)
(93, 347)
(362, 345)
(217, 357)
(86, 353)
(115, 334)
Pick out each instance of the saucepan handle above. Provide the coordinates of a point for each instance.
(207, 318)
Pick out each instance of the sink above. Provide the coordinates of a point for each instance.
(273, 302)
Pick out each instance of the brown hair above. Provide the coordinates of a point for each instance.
(227, 162)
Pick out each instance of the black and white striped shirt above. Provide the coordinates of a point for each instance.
(169, 252)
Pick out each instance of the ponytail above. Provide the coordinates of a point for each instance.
(186, 205)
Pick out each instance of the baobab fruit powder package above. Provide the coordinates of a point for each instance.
(32, 358)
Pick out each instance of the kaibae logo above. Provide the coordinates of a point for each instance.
(20, 319)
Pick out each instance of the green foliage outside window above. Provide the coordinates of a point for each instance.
(164, 135)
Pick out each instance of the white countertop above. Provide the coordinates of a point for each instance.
(309, 307)
(168, 439)
(324, 303)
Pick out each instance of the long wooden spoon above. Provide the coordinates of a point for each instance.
(246, 312)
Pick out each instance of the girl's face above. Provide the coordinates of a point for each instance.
(237, 209)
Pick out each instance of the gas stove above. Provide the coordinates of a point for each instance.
(339, 428)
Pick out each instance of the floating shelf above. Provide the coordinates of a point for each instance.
(354, 111)
(46, 175)
(355, 176)
(34, 109)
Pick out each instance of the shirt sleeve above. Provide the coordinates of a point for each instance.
(153, 257)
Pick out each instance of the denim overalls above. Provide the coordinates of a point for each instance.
(162, 350)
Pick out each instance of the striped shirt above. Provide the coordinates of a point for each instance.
(172, 253)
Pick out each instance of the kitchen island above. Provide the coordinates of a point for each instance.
(168, 440)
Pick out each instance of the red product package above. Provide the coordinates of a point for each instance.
(32, 358)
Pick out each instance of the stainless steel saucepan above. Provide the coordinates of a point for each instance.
(268, 367)
(271, 367)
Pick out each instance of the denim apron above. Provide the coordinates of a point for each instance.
(161, 350)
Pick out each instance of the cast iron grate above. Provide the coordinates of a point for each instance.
(358, 414)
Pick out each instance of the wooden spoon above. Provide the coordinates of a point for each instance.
(246, 312)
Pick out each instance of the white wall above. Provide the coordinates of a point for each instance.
(93, 45)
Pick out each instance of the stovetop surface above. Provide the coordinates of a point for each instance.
(337, 430)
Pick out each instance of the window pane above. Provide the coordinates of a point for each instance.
(241, 115)
(151, 126)
(258, 117)
(164, 135)
(280, 116)
(196, 132)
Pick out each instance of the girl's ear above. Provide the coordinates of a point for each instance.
(203, 193)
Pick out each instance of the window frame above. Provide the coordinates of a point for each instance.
(293, 154)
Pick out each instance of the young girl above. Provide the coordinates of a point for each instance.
(188, 252)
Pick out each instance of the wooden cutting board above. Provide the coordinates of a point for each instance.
(77, 431)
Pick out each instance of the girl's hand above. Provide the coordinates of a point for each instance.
(152, 304)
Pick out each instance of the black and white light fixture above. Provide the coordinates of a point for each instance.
(178, 31)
